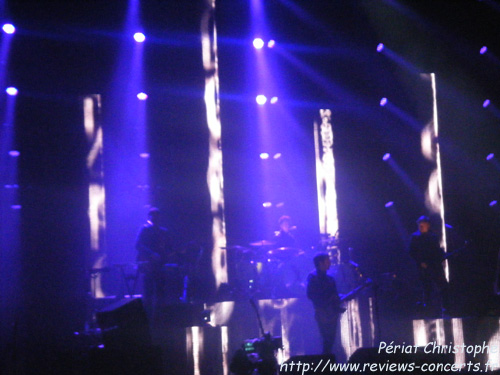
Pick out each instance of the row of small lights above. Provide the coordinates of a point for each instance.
(261, 99)
(391, 203)
(259, 44)
(384, 101)
(486, 103)
(387, 156)
(482, 50)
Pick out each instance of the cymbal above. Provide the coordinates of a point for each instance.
(285, 252)
(262, 243)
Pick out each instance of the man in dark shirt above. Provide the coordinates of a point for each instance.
(153, 248)
(426, 250)
(322, 291)
(284, 237)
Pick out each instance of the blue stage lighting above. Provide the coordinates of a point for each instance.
(486, 103)
(274, 100)
(139, 37)
(483, 50)
(12, 91)
(267, 204)
(386, 157)
(258, 43)
(142, 96)
(490, 156)
(271, 43)
(261, 99)
(14, 153)
(380, 47)
(8, 28)
(264, 155)
(493, 203)
(383, 102)
(389, 204)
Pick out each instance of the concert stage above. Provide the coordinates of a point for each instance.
(202, 339)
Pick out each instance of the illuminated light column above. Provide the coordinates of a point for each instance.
(97, 196)
(458, 339)
(215, 178)
(419, 333)
(430, 149)
(225, 349)
(325, 174)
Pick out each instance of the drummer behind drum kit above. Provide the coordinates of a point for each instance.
(267, 271)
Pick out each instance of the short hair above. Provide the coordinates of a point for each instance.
(423, 219)
(283, 219)
(320, 257)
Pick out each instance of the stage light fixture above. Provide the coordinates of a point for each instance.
(486, 103)
(386, 157)
(389, 204)
(267, 204)
(383, 102)
(264, 155)
(493, 203)
(277, 155)
(261, 99)
(490, 156)
(258, 43)
(144, 155)
(483, 50)
(274, 100)
(16, 207)
(380, 47)
(8, 28)
(12, 91)
(14, 153)
(271, 43)
(139, 37)
(142, 96)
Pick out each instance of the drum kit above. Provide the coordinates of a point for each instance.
(264, 270)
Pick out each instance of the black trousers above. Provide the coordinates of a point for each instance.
(327, 320)
(433, 276)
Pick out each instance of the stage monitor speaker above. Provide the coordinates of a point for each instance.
(124, 324)
(307, 364)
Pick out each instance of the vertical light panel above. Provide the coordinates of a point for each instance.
(325, 174)
(197, 346)
(439, 170)
(494, 356)
(430, 149)
(419, 332)
(224, 332)
(458, 339)
(215, 179)
(97, 207)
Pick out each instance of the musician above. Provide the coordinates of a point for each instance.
(322, 291)
(284, 237)
(153, 246)
(426, 250)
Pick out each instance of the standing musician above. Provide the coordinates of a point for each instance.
(426, 250)
(322, 291)
(153, 246)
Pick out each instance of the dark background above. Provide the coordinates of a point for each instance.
(64, 50)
